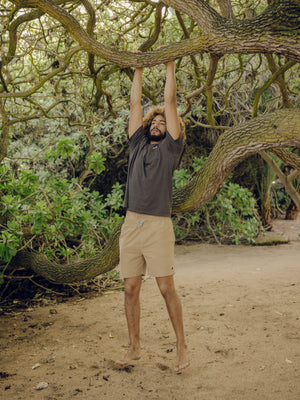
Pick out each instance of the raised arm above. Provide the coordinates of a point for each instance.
(136, 111)
(173, 125)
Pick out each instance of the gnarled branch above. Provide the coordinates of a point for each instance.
(275, 130)
(276, 30)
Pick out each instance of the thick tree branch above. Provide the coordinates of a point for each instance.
(275, 130)
(90, 30)
(276, 30)
(288, 157)
(74, 272)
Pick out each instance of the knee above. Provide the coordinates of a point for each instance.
(166, 290)
(166, 286)
(131, 289)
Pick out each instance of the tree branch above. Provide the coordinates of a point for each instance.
(4, 138)
(275, 130)
(276, 30)
(273, 78)
(283, 178)
(287, 157)
(45, 79)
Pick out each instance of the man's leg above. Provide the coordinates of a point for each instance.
(167, 289)
(132, 287)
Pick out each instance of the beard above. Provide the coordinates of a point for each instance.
(158, 137)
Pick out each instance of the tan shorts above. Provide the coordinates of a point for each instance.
(147, 241)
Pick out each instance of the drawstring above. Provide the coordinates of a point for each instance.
(140, 223)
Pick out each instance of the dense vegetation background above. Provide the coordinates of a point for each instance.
(65, 74)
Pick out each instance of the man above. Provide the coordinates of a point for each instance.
(147, 237)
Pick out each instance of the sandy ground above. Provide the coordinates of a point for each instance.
(242, 319)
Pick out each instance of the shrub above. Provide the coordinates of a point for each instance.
(57, 217)
(230, 217)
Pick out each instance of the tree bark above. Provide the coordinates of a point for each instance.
(266, 217)
(74, 272)
(289, 158)
(4, 136)
(272, 131)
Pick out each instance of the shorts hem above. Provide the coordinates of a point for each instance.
(146, 275)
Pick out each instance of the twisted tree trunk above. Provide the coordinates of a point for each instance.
(276, 130)
(78, 271)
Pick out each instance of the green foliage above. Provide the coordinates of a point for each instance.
(180, 178)
(65, 147)
(58, 217)
(40, 217)
(115, 198)
(234, 209)
(231, 216)
(198, 163)
(96, 163)
(9, 243)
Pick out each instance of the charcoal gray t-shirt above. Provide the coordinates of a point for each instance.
(150, 171)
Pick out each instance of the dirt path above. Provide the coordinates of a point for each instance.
(242, 317)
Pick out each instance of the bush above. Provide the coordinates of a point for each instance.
(57, 217)
(230, 217)
(64, 220)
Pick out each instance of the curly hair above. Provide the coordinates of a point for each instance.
(159, 110)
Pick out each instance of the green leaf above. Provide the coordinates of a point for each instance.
(96, 163)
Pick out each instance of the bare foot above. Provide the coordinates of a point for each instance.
(182, 359)
(130, 356)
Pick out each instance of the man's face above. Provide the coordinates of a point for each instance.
(158, 128)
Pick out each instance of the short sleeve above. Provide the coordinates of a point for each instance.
(174, 145)
(136, 138)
